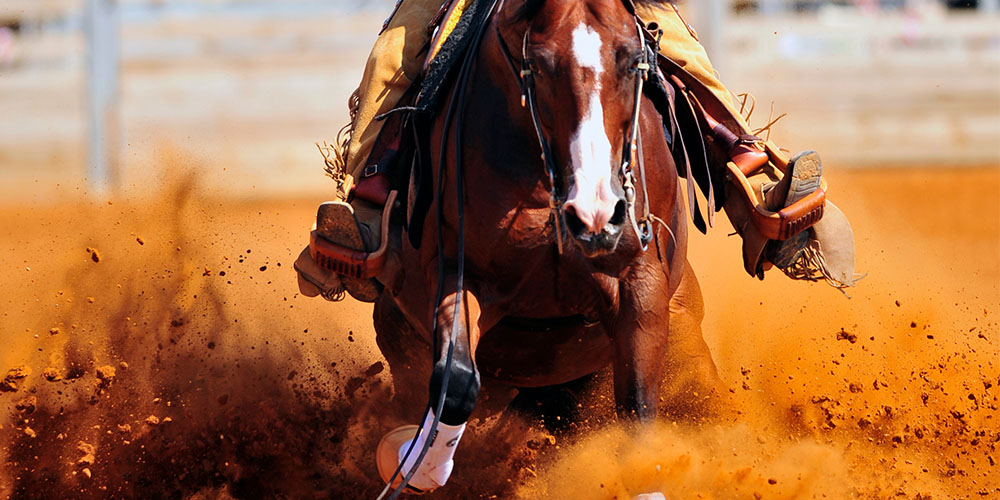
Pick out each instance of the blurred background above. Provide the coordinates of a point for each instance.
(242, 89)
(230, 384)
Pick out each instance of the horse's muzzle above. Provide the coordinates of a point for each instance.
(602, 241)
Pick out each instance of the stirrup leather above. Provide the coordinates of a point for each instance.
(746, 157)
(353, 263)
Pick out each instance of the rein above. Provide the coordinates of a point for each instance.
(456, 109)
(631, 150)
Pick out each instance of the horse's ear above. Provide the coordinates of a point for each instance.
(526, 12)
(629, 6)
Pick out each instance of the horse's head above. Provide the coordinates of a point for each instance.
(583, 56)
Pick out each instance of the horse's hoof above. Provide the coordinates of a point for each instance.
(387, 456)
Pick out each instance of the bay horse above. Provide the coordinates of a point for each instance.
(555, 242)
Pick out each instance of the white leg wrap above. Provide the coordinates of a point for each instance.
(651, 496)
(435, 470)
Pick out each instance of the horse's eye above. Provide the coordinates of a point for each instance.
(541, 59)
(628, 56)
(636, 59)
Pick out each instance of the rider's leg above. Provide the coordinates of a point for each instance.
(392, 65)
(679, 43)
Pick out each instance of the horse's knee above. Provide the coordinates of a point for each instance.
(687, 301)
(462, 391)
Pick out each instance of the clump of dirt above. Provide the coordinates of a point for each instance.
(86, 452)
(10, 380)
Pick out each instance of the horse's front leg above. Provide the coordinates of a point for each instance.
(455, 373)
(640, 343)
(454, 388)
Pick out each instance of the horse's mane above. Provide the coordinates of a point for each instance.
(530, 8)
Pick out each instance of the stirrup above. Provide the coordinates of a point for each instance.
(788, 221)
(356, 265)
(825, 251)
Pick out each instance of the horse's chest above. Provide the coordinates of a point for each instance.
(517, 255)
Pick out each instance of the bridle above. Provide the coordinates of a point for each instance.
(631, 150)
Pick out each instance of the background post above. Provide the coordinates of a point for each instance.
(101, 25)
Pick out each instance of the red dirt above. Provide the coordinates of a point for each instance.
(182, 307)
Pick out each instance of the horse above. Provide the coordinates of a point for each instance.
(555, 243)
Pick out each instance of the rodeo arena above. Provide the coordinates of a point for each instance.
(500, 249)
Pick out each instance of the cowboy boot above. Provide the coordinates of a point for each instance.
(825, 250)
(802, 178)
(346, 237)
(355, 231)
(357, 226)
(347, 243)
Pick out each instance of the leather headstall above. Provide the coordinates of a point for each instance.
(631, 151)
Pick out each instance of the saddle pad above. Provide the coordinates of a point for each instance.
(447, 26)
(458, 28)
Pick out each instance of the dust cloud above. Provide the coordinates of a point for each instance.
(154, 346)
(157, 349)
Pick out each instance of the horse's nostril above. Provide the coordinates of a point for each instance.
(618, 218)
(573, 222)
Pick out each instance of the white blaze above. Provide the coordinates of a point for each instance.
(590, 196)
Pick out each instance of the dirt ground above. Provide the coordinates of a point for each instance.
(154, 346)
